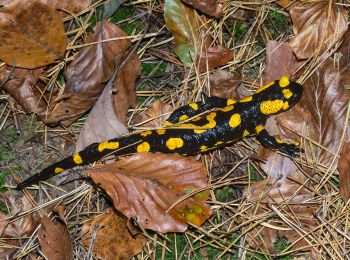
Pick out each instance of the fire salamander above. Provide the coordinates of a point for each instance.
(197, 128)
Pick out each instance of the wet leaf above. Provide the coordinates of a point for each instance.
(54, 240)
(224, 84)
(24, 87)
(344, 172)
(154, 116)
(183, 23)
(317, 25)
(86, 75)
(31, 44)
(114, 239)
(214, 57)
(209, 7)
(144, 186)
(280, 61)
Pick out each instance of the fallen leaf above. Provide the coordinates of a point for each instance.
(8, 244)
(54, 240)
(102, 123)
(23, 86)
(183, 23)
(317, 25)
(209, 7)
(280, 61)
(144, 186)
(86, 75)
(154, 116)
(113, 239)
(111, 7)
(241, 12)
(124, 84)
(214, 57)
(31, 44)
(344, 172)
(224, 84)
(67, 5)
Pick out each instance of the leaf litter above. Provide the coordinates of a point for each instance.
(257, 199)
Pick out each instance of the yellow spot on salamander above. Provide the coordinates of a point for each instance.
(193, 105)
(271, 107)
(284, 81)
(174, 143)
(246, 99)
(287, 93)
(264, 87)
(245, 133)
(211, 123)
(219, 143)
(107, 145)
(183, 118)
(167, 123)
(297, 143)
(235, 120)
(278, 140)
(145, 133)
(196, 119)
(143, 147)
(259, 128)
(161, 131)
(58, 170)
(77, 158)
(285, 106)
(226, 109)
(203, 148)
(231, 101)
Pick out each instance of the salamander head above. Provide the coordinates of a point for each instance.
(279, 96)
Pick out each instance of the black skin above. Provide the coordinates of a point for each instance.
(217, 134)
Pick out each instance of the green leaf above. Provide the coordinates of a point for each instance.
(181, 21)
(111, 7)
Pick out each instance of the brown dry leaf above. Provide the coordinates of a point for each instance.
(287, 4)
(154, 116)
(243, 13)
(54, 240)
(102, 123)
(144, 186)
(68, 5)
(209, 7)
(125, 86)
(317, 26)
(344, 172)
(8, 245)
(280, 61)
(31, 44)
(224, 84)
(114, 239)
(86, 75)
(293, 201)
(24, 87)
(214, 57)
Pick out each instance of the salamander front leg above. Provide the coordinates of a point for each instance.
(274, 143)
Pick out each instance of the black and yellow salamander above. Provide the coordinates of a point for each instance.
(197, 128)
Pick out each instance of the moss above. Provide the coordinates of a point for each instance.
(157, 68)
(123, 13)
(241, 28)
(281, 244)
(225, 193)
(278, 20)
(3, 208)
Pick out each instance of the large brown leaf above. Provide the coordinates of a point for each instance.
(31, 33)
(317, 25)
(86, 75)
(214, 57)
(114, 239)
(54, 240)
(209, 7)
(224, 84)
(344, 172)
(67, 5)
(144, 186)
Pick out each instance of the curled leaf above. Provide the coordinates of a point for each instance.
(114, 239)
(31, 44)
(144, 186)
(317, 25)
(214, 57)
